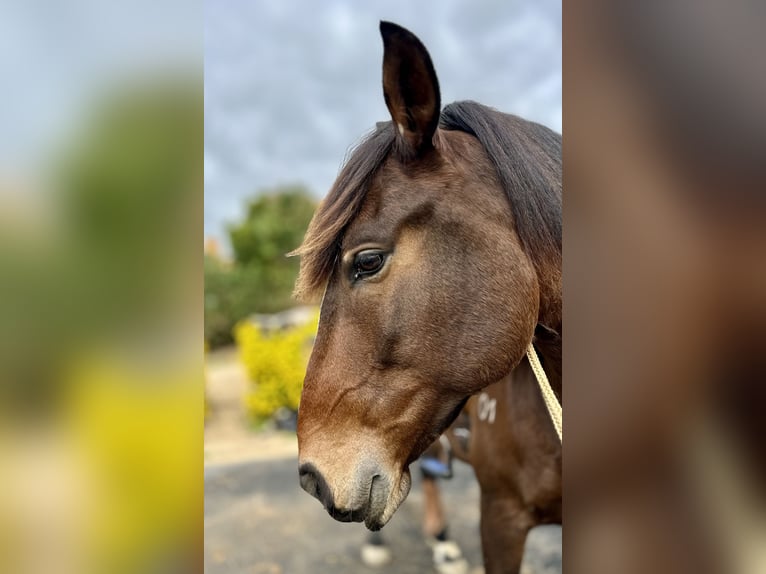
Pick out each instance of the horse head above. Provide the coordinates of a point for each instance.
(433, 281)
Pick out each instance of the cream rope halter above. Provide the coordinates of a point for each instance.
(551, 403)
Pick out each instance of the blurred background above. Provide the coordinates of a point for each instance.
(289, 88)
(664, 243)
(100, 289)
(105, 383)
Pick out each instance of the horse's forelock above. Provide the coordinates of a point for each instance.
(321, 244)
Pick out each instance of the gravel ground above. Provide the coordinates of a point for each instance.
(259, 521)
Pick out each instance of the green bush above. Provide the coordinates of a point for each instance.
(261, 277)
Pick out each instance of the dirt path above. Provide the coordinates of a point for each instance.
(229, 437)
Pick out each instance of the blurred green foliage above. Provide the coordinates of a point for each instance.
(274, 225)
(100, 365)
(102, 253)
(131, 189)
(260, 279)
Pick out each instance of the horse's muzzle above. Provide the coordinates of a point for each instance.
(314, 483)
(366, 502)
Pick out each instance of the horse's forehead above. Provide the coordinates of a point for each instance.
(399, 190)
(397, 183)
(399, 187)
(458, 156)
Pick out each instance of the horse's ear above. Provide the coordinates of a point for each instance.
(410, 87)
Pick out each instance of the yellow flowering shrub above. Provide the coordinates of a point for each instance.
(135, 429)
(276, 364)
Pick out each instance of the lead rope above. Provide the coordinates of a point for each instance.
(551, 403)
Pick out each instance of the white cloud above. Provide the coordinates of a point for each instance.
(289, 86)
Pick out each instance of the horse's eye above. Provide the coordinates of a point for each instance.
(368, 263)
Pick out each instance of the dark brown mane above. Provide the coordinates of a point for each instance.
(527, 157)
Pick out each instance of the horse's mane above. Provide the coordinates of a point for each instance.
(526, 155)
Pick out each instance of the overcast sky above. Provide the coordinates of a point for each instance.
(289, 86)
(57, 56)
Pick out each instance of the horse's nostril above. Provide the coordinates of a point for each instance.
(364, 495)
(314, 483)
(309, 479)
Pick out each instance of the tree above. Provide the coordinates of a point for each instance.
(261, 278)
(274, 225)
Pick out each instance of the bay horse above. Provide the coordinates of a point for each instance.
(438, 250)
